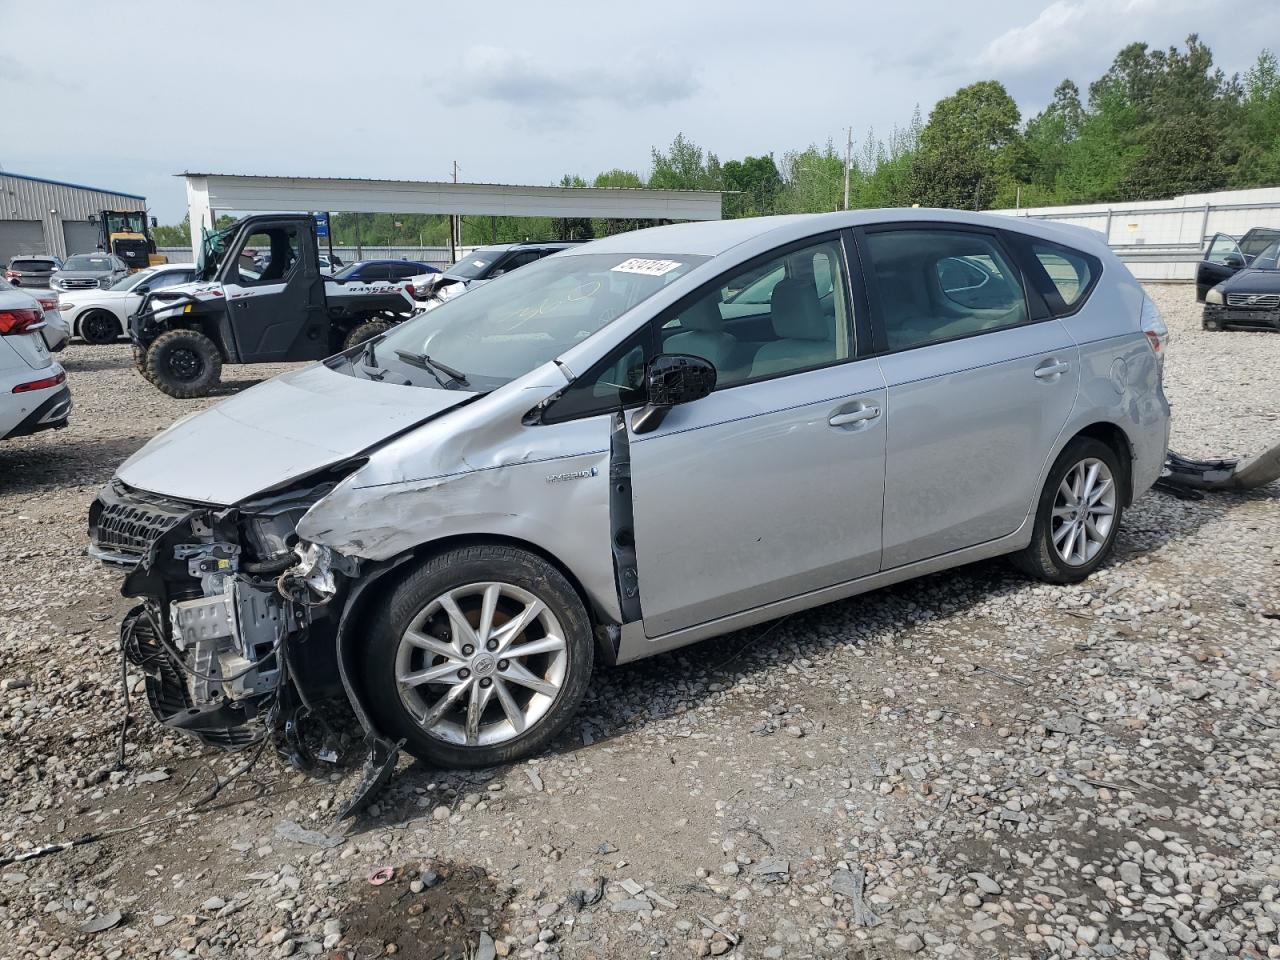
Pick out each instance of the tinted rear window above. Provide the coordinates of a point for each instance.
(30, 266)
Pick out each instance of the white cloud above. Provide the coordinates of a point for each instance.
(1069, 27)
(507, 76)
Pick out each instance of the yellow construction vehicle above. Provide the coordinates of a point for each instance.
(127, 234)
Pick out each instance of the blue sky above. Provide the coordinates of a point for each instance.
(524, 93)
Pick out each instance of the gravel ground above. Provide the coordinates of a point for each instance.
(970, 765)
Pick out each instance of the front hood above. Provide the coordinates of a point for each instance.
(79, 275)
(277, 432)
(1252, 281)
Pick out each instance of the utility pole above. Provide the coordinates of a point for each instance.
(455, 234)
(848, 161)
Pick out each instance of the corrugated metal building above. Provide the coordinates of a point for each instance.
(48, 216)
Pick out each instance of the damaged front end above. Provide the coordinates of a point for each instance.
(235, 632)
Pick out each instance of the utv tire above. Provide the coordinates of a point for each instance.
(366, 331)
(184, 364)
(99, 327)
(1074, 533)
(473, 580)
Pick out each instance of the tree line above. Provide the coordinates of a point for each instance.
(1158, 123)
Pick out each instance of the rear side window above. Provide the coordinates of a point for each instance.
(1069, 273)
(1068, 276)
(937, 285)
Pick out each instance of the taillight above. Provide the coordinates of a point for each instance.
(16, 321)
(11, 274)
(409, 289)
(48, 303)
(43, 384)
(1153, 326)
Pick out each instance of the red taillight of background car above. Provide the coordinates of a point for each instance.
(17, 321)
(11, 274)
(410, 290)
(48, 303)
(42, 384)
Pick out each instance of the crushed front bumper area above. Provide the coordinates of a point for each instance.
(1228, 317)
(232, 644)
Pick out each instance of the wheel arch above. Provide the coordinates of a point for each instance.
(79, 318)
(1115, 437)
(601, 621)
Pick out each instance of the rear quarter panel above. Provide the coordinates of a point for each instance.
(1120, 378)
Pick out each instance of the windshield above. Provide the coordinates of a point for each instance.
(504, 329)
(124, 222)
(1268, 259)
(128, 283)
(1253, 245)
(87, 261)
(212, 250)
(468, 268)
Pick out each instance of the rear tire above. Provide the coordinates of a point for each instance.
(1077, 518)
(99, 327)
(523, 700)
(184, 364)
(366, 331)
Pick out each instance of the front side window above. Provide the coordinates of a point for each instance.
(1221, 249)
(936, 285)
(784, 315)
(500, 331)
(170, 278)
(270, 255)
(615, 382)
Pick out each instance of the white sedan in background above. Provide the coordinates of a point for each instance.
(33, 388)
(102, 316)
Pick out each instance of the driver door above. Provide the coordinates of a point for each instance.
(772, 486)
(1221, 260)
(276, 307)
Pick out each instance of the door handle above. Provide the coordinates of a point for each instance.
(861, 415)
(1051, 368)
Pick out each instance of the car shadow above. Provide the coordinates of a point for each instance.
(681, 680)
(83, 364)
(34, 468)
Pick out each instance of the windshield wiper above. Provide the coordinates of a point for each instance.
(433, 367)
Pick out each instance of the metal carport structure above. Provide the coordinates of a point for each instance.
(210, 194)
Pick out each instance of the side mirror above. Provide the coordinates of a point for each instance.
(1234, 260)
(670, 379)
(143, 288)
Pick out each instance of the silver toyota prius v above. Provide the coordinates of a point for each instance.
(624, 448)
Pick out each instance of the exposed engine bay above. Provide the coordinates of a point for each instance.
(234, 633)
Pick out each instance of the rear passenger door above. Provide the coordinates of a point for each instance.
(770, 487)
(980, 381)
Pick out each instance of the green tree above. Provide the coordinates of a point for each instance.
(684, 166)
(572, 228)
(757, 182)
(814, 180)
(962, 158)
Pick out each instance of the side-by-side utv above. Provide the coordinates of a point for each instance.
(258, 297)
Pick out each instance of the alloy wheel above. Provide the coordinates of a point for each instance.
(1084, 512)
(481, 664)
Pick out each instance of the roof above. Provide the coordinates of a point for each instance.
(443, 183)
(73, 186)
(712, 238)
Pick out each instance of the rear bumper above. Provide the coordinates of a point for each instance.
(51, 414)
(1240, 318)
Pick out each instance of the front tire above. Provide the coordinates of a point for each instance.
(1078, 514)
(184, 364)
(366, 331)
(99, 327)
(479, 657)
